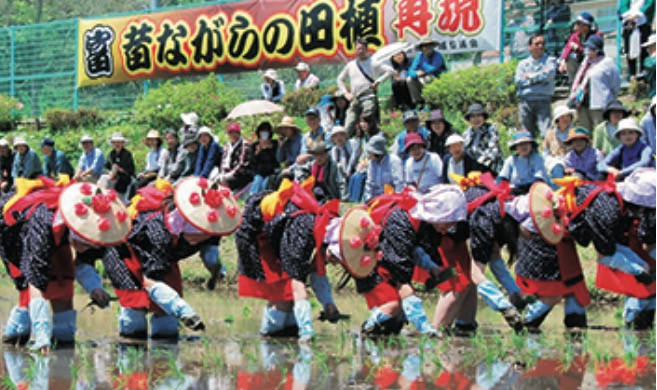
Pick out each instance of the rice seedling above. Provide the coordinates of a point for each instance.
(7, 383)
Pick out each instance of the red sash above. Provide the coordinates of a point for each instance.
(457, 256)
(277, 285)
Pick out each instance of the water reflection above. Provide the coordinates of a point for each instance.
(402, 363)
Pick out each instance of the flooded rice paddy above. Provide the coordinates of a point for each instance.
(231, 354)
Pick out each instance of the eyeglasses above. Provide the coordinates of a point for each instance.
(539, 43)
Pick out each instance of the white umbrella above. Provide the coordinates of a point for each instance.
(254, 107)
(383, 54)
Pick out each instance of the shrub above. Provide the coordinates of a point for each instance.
(62, 119)
(297, 102)
(7, 105)
(211, 99)
(90, 117)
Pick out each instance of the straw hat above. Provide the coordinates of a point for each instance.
(359, 239)
(628, 124)
(95, 214)
(443, 203)
(20, 140)
(639, 188)
(270, 74)
(288, 121)
(560, 111)
(152, 134)
(541, 209)
(207, 206)
(118, 137)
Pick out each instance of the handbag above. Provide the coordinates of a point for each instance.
(576, 98)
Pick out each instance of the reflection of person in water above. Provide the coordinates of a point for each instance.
(275, 371)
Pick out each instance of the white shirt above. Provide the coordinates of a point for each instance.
(360, 85)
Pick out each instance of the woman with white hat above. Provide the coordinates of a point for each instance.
(272, 88)
(27, 163)
(120, 164)
(554, 146)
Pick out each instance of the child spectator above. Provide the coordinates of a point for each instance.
(582, 158)
(633, 153)
(525, 166)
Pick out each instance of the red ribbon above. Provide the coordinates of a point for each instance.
(608, 186)
(500, 191)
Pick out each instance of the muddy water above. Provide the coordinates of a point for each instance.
(230, 354)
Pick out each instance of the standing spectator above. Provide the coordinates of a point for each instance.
(209, 153)
(554, 144)
(482, 139)
(383, 169)
(26, 162)
(263, 157)
(411, 125)
(637, 17)
(400, 90)
(338, 111)
(558, 13)
(172, 157)
(235, 168)
(525, 166)
(190, 123)
(520, 22)
(91, 163)
(440, 129)
(120, 164)
(457, 161)
(54, 161)
(534, 79)
(596, 84)
(631, 154)
(427, 65)
(272, 88)
(289, 142)
(315, 134)
(604, 138)
(305, 78)
(424, 169)
(648, 126)
(364, 77)
(648, 73)
(582, 158)
(573, 53)
(6, 166)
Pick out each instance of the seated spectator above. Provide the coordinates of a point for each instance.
(554, 144)
(411, 125)
(457, 161)
(482, 140)
(305, 78)
(525, 166)
(648, 126)
(582, 159)
(263, 157)
(172, 158)
(316, 133)
(190, 123)
(154, 160)
(191, 145)
(338, 111)
(272, 88)
(427, 65)
(235, 168)
(440, 130)
(573, 53)
(54, 161)
(121, 166)
(6, 166)
(26, 162)
(400, 91)
(366, 126)
(424, 169)
(91, 163)
(289, 142)
(209, 153)
(647, 75)
(604, 138)
(383, 169)
(597, 83)
(341, 151)
(631, 154)
(329, 182)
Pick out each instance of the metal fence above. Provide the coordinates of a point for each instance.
(38, 63)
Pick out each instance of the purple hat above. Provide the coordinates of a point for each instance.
(639, 187)
(412, 139)
(443, 203)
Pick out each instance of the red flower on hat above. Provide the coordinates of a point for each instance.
(194, 198)
(372, 239)
(364, 222)
(556, 228)
(104, 224)
(80, 208)
(111, 195)
(214, 198)
(231, 210)
(213, 216)
(101, 203)
(546, 212)
(121, 215)
(379, 255)
(202, 182)
(355, 242)
(86, 189)
(225, 192)
(365, 261)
